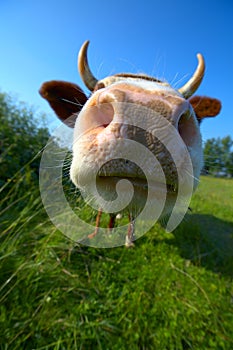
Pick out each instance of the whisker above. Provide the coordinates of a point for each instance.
(191, 175)
(178, 82)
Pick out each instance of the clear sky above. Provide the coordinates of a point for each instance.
(40, 41)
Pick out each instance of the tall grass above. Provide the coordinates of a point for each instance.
(171, 291)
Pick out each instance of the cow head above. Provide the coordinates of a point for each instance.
(131, 107)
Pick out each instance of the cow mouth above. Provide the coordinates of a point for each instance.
(140, 184)
(123, 169)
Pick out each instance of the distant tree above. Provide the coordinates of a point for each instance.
(227, 144)
(218, 156)
(22, 136)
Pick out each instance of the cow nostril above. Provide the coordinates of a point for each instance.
(105, 114)
(188, 128)
(106, 103)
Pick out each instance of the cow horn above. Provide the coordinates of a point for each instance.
(83, 67)
(192, 85)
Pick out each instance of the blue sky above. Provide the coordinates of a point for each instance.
(40, 41)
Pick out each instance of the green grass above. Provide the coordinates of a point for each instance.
(171, 291)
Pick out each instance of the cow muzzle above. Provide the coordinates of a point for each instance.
(125, 132)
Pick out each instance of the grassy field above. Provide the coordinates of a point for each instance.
(171, 291)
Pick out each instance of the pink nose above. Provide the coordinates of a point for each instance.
(164, 103)
(125, 104)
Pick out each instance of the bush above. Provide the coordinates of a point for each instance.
(22, 137)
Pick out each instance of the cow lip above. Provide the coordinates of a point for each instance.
(140, 182)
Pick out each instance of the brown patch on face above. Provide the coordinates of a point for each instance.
(138, 76)
(99, 86)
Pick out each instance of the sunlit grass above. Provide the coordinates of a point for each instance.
(171, 291)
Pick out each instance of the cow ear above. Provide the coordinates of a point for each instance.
(66, 99)
(205, 106)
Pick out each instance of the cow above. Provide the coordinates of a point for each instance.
(132, 107)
